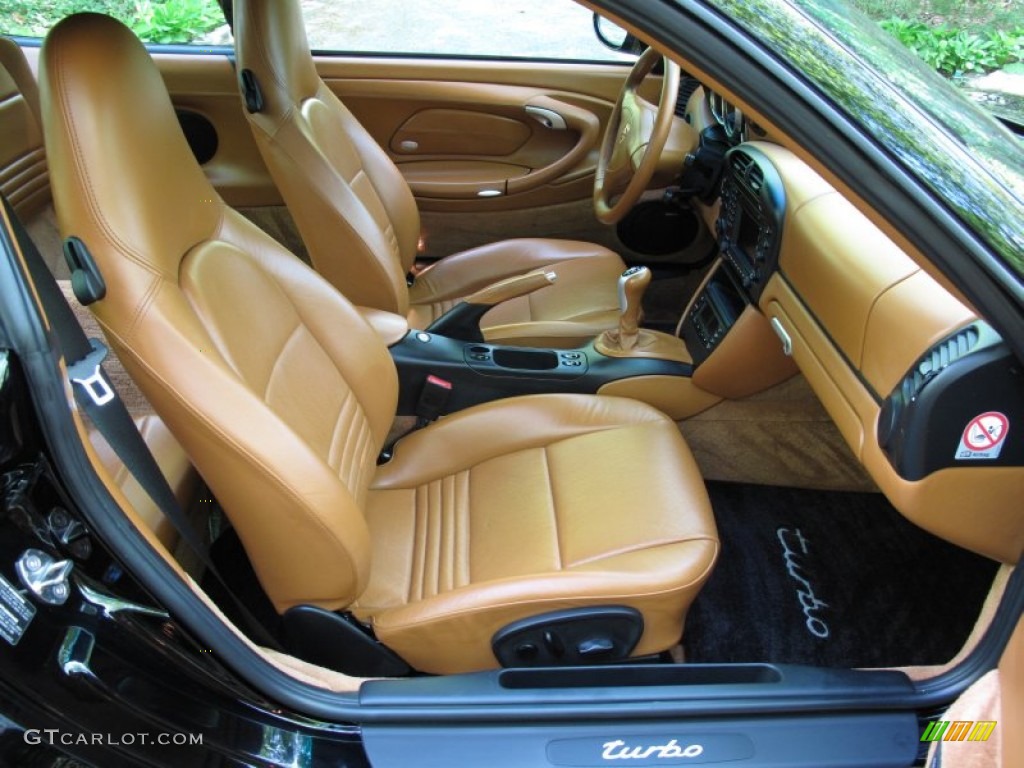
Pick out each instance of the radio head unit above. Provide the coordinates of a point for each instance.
(750, 222)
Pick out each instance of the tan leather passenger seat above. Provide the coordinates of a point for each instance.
(358, 217)
(24, 175)
(25, 182)
(282, 395)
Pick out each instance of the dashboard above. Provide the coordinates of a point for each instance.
(924, 392)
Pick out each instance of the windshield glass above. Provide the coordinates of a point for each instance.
(973, 162)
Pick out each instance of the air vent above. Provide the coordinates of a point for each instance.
(756, 178)
(942, 355)
(687, 87)
(741, 163)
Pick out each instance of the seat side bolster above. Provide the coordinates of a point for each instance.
(324, 559)
(173, 463)
(387, 180)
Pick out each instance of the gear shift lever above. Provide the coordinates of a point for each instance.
(632, 285)
(629, 340)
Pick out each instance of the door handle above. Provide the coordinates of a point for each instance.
(569, 117)
(546, 117)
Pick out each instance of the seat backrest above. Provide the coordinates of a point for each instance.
(278, 390)
(352, 206)
(24, 176)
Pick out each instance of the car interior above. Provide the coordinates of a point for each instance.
(463, 364)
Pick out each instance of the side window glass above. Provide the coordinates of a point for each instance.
(531, 29)
(190, 22)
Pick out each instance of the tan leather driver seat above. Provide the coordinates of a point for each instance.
(25, 183)
(358, 217)
(282, 396)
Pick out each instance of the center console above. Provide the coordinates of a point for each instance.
(479, 372)
(449, 366)
(749, 230)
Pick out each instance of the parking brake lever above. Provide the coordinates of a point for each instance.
(463, 320)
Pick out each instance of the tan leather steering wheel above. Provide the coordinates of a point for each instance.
(634, 140)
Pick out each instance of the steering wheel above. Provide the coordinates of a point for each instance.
(635, 138)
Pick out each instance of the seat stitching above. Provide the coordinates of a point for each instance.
(590, 599)
(365, 199)
(350, 464)
(554, 502)
(277, 361)
(589, 430)
(358, 464)
(331, 451)
(431, 552)
(641, 547)
(467, 536)
(440, 560)
(342, 413)
(389, 231)
(29, 161)
(446, 545)
(71, 133)
(416, 567)
(27, 185)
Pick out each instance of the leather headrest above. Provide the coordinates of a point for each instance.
(124, 178)
(270, 40)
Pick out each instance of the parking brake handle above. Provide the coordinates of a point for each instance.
(512, 287)
(463, 320)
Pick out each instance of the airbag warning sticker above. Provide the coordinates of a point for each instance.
(983, 437)
(15, 612)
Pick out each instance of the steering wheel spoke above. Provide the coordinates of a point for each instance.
(634, 140)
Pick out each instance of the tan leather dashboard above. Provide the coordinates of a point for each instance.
(860, 314)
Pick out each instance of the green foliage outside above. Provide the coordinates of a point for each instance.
(956, 37)
(155, 21)
(956, 51)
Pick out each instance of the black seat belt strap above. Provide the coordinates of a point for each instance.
(97, 397)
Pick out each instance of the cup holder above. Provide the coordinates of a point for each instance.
(526, 359)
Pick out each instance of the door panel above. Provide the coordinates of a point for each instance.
(459, 131)
(525, 134)
(515, 148)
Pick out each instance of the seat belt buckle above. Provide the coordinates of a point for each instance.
(433, 398)
(88, 374)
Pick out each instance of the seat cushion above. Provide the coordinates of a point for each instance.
(530, 505)
(582, 302)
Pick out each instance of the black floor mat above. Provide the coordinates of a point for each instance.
(831, 579)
